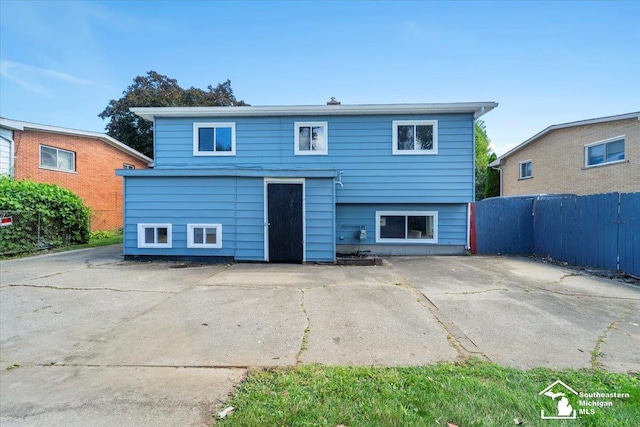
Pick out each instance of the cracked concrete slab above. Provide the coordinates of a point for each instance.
(296, 276)
(524, 313)
(620, 348)
(99, 341)
(206, 326)
(42, 325)
(387, 326)
(121, 396)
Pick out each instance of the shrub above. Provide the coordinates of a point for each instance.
(45, 215)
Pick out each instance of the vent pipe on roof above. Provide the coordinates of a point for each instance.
(333, 101)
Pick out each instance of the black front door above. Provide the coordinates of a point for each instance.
(284, 207)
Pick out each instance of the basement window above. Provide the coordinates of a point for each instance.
(406, 227)
(204, 236)
(154, 235)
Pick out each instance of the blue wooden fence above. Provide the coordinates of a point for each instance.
(601, 230)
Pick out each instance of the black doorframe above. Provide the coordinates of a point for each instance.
(294, 249)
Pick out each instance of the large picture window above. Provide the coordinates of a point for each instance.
(204, 235)
(415, 137)
(406, 227)
(311, 138)
(604, 152)
(58, 159)
(214, 139)
(154, 235)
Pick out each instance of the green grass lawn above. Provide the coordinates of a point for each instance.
(473, 394)
(96, 239)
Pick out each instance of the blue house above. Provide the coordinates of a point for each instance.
(302, 183)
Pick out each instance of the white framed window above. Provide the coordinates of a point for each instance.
(214, 139)
(310, 138)
(604, 152)
(154, 235)
(57, 159)
(406, 227)
(204, 236)
(415, 137)
(128, 166)
(526, 169)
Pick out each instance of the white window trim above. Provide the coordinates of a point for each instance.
(141, 242)
(296, 138)
(192, 244)
(520, 169)
(198, 125)
(434, 214)
(41, 166)
(604, 141)
(414, 152)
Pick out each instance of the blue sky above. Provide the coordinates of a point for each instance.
(544, 62)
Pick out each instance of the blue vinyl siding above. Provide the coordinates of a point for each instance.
(359, 146)
(235, 202)
(249, 219)
(452, 221)
(180, 201)
(320, 219)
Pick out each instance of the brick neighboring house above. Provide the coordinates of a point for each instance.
(600, 155)
(83, 162)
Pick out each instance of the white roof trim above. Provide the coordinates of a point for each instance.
(477, 108)
(551, 128)
(18, 125)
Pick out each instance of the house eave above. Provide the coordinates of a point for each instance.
(476, 108)
(230, 172)
(499, 160)
(21, 126)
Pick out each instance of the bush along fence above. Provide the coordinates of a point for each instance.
(601, 230)
(39, 216)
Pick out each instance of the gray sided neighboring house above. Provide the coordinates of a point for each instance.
(302, 183)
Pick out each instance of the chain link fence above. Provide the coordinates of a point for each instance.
(28, 231)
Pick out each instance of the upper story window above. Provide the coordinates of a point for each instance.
(214, 139)
(415, 137)
(526, 169)
(311, 138)
(128, 166)
(55, 158)
(604, 152)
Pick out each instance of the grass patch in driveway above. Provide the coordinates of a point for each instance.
(471, 394)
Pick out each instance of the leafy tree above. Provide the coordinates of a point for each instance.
(157, 90)
(492, 186)
(483, 151)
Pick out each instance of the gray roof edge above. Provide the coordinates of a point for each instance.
(626, 116)
(20, 125)
(477, 108)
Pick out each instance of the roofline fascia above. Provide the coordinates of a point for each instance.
(551, 128)
(477, 108)
(21, 126)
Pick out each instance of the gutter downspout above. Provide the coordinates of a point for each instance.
(499, 169)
